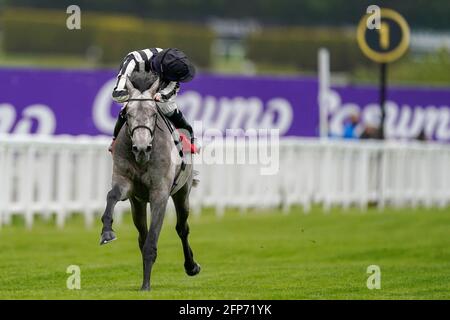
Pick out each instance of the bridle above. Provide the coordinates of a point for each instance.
(142, 126)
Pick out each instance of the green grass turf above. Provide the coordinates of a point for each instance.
(257, 255)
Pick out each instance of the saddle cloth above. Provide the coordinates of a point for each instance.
(183, 175)
(182, 154)
(188, 147)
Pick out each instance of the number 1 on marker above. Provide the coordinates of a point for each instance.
(384, 35)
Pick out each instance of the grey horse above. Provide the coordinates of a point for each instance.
(144, 170)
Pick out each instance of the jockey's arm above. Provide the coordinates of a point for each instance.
(128, 65)
(135, 60)
(168, 93)
(166, 97)
(166, 102)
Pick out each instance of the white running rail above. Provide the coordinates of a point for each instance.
(65, 175)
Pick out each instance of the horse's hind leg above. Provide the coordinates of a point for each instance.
(117, 193)
(139, 213)
(181, 201)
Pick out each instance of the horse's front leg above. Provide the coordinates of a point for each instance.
(118, 192)
(139, 214)
(158, 204)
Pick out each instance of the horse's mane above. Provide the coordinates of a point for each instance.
(143, 80)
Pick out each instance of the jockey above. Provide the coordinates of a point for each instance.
(172, 67)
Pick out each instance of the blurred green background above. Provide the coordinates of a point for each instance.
(277, 37)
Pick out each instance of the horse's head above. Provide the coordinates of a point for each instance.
(141, 120)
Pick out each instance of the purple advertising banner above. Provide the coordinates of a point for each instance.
(79, 102)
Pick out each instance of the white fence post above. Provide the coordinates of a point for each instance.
(324, 89)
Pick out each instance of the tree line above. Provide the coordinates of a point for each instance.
(421, 14)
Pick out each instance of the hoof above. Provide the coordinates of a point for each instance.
(194, 270)
(145, 287)
(107, 236)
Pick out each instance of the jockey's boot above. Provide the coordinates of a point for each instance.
(180, 122)
(119, 124)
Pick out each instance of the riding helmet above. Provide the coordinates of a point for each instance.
(173, 65)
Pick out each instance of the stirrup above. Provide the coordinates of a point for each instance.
(195, 178)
